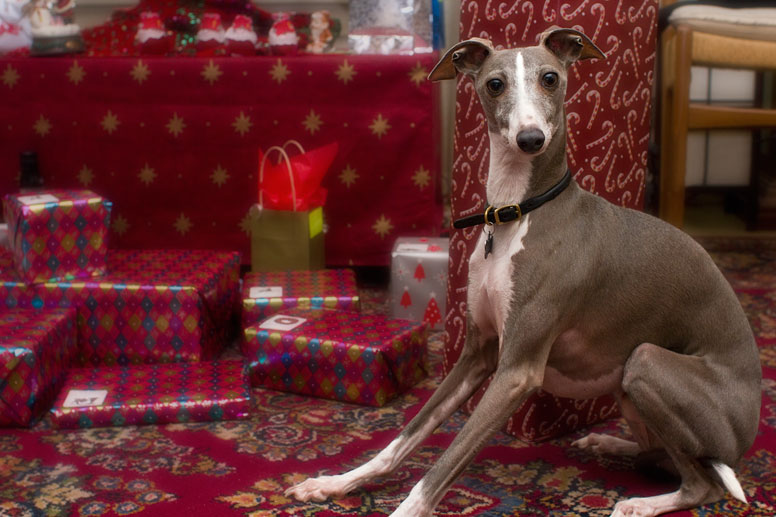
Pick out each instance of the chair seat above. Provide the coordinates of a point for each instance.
(752, 24)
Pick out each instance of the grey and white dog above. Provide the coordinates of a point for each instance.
(581, 298)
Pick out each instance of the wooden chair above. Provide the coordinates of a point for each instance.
(714, 37)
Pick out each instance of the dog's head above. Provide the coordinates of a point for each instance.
(521, 90)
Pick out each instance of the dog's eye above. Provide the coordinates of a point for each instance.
(495, 86)
(550, 79)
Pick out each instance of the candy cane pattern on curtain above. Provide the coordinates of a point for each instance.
(608, 114)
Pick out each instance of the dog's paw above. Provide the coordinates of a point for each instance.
(316, 489)
(592, 441)
(636, 507)
(604, 444)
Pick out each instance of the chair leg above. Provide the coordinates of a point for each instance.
(674, 126)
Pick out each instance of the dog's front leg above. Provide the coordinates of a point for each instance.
(478, 360)
(520, 372)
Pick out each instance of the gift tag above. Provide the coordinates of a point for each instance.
(315, 221)
(282, 322)
(269, 291)
(38, 199)
(85, 398)
(489, 244)
(412, 247)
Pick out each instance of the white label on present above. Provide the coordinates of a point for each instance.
(282, 322)
(38, 199)
(270, 291)
(85, 398)
(412, 247)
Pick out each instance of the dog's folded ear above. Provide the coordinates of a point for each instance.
(465, 57)
(570, 45)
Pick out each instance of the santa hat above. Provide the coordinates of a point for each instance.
(150, 20)
(211, 21)
(242, 22)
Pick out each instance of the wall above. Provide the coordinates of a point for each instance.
(720, 157)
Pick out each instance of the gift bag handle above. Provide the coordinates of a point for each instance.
(284, 155)
(294, 143)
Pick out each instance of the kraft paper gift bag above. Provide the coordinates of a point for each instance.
(287, 230)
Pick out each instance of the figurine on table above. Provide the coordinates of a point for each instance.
(321, 36)
(52, 29)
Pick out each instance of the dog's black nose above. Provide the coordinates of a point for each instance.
(530, 140)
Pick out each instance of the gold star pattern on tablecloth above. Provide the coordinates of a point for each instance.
(176, 125)
(219, 175)
(346, 72)
(242, 124)
(140, 72)
(76, 73)
(245, 223)
(10, 76)
(147, 175)
(183, 224)
(422, 177)
(348, 176)
(211, 72)
(418, 74)
(42, 126)
(110, 122)
(380, 126)
(120, 224)
(312, 122)
(279, 72)
(382, 226)
(85, 176)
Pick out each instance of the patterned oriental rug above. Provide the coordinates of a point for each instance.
(241, 468)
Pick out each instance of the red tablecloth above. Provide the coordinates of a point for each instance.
(173, 142)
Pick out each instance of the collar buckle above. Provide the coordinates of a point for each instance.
(515, 207)
(497, 218)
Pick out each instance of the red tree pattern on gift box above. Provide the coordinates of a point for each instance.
(420, 273)
(432, 316)
(406, 300)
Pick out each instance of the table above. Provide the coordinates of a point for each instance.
(173, 142)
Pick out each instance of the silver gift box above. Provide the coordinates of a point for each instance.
(419, 279)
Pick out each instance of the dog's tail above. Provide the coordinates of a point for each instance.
(727, 478)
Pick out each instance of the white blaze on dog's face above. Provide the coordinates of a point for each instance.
(522, 92)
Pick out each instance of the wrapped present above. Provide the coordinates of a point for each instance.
(264, 294)
(58, 234)
(36, 348)
(155, 306)
(340, 355)
(153, 394)
(419, 279)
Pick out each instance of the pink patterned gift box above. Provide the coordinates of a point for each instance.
(348, 356)
(153, 394)
(36, 348)
(264, 294)
(155, 306)
(58, 234)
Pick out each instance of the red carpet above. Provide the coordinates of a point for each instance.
(241, 468)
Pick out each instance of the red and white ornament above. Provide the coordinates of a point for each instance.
(241, 39)
(283, 39)
(211, 35)
(152, 37)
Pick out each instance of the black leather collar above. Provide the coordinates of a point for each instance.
(509, 213)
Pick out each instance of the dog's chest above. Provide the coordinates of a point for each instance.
(490, 279)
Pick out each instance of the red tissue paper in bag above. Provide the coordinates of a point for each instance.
(308, 170)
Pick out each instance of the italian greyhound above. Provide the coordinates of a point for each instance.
(580, 298)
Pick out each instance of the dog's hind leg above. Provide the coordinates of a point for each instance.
(478, 360)
(679, 402)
